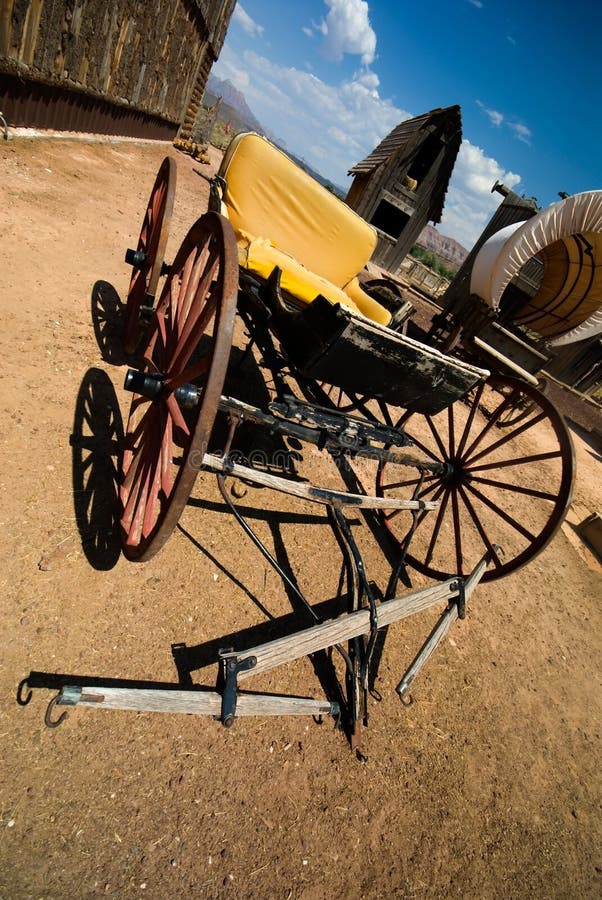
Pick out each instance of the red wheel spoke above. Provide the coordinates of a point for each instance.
(192, 373)
(176, 414)
(137, 517)
(202, 310)
(151, 512)
(166, 458)
(134, 508)
(192, 336)
(186, 288)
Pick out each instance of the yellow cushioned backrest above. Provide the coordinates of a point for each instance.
(269, 196)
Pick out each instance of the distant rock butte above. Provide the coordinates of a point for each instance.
(443, 246)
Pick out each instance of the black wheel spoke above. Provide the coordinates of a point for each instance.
(516, 461)
(445, 455)
(479, 526)
(473, 409)
(436, 529)
(515, 488)
(490, 423)
(502, 513)
(507, 437)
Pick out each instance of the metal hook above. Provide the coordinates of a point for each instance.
(406, 700)
(47, 718)
(21, 700)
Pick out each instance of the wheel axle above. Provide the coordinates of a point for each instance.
(135, 258)
(153, 387)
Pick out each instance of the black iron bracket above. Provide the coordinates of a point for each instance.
(230, 667)
(460, 600)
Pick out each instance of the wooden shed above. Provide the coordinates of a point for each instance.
(129, 67)
(401, 185)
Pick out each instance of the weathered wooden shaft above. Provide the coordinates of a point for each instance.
(319, 637)
(447, 619)
(192, 702)
(308, 491)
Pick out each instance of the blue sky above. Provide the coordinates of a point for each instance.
(332, 77)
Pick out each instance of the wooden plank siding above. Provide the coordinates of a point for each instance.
(146, 56)
(386, 175)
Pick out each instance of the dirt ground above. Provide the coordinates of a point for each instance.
(487, 786)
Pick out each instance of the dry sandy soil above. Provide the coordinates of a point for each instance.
(487, 786)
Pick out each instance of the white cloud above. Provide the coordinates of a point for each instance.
(347, 29)
(245, 21)
(495, 117)
(335, 126)
(476, 3)
(469, 203)
(228, 68)
(308, 32)
(521, 132)
(511, 40)
(331, 125)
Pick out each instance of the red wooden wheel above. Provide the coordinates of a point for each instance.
(188, 348)
(147, 259)
(506, 483)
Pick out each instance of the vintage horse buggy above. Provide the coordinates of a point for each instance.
(473, 466)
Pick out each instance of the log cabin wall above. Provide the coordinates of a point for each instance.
(126, 67)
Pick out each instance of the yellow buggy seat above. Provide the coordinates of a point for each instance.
(332, 330)
(283, 218)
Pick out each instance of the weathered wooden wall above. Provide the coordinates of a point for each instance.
(512, 209)
(387, 182)
(141, 54)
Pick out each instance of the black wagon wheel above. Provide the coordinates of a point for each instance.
(147, 259)
(506, 484)
(521, 407)
(177, 390)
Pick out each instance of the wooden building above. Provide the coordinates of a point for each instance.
(512, 209)
(129, 67)
(401, 185)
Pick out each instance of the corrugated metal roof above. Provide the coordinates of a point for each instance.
(448, 122)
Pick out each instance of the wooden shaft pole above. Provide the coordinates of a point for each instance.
(343, 628)
(308, 491)
(447, 619)
(192, 702)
